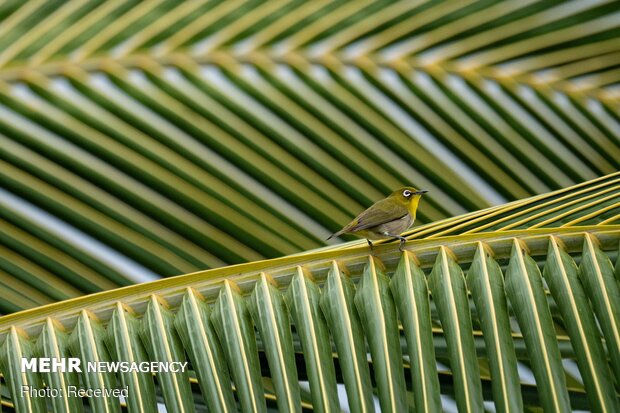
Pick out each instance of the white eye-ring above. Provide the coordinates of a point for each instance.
(406, 193)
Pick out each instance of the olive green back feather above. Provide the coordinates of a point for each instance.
(385, 210)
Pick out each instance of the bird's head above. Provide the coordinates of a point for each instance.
(408, 196)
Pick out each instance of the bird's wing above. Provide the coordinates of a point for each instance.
(380, 213)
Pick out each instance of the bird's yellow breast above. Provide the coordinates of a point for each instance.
(413, 206)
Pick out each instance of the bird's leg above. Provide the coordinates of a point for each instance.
(369, 243)
(402, 242)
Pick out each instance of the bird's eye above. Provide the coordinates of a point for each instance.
(406, 193)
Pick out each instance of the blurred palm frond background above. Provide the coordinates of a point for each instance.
(146, 139)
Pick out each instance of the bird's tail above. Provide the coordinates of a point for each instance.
(335, 234)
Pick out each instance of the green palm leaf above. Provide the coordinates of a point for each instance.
(411, 295)
(602, 289)
(618, 264)
(15, 348)
(234, 327)
(562, 279)
(53, 343)
(271, 317)
(205, 352)
(377, 312)
(87, 343)
(164, 345)
(303, 300)
(174, 138)
(527, 296)
(486, 283)
(447, 286)
(353, 315)
(348, 335)
(124, 344)
(147, 140)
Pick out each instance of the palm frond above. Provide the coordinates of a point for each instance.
(144, 140)
(356, 301)
(140, 140)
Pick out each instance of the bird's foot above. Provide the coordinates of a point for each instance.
(369, 243)
(402, 242)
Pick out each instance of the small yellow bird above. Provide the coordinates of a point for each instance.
(387, 218)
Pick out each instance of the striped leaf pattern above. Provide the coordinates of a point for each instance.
(271, 318)
(486, 283)
(144, 140)
(141, 140)
(233, 325)
(346, 299)
(87, 343)
(15, 348)
(348, 336)
(377, 312)
(410, 292)
(303, 301)
(527, 296)
(205, 352)
(562, 279)
(54, 344)
(164, 345)
(447, 286)
(602, 289)
(124, 344)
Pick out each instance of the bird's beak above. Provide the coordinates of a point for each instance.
(423, 191)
